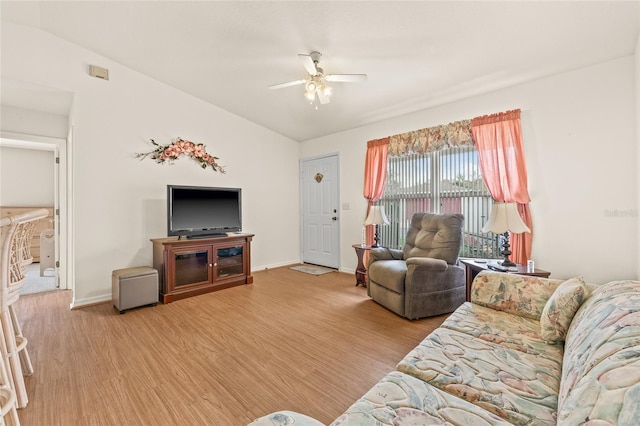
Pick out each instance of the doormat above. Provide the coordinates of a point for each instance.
(312, 269)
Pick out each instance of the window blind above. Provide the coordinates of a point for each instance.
(443, 181)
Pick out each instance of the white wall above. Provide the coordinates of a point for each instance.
(37, 123)
(26, 177)
(637, 73)
(579, 135)
(119, 202)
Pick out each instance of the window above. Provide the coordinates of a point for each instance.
(443, 181)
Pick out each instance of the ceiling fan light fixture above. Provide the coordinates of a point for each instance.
(315, 85)
(311, 86)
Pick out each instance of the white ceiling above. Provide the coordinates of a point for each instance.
(417, 54)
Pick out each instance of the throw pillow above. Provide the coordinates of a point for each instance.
(560, 309)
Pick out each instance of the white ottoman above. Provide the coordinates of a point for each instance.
(134, 287)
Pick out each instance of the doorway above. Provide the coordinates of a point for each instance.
(320, 220)
(53, 149)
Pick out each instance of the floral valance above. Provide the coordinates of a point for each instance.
(431, 139)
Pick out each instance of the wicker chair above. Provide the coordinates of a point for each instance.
(16, 235)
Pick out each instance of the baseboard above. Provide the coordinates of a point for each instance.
(90, 301)
(275, 265)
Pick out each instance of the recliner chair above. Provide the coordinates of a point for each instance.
(424, 278)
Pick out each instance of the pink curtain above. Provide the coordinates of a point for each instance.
(375, 176)
(498, 139)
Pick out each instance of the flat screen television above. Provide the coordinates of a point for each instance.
(201, 212)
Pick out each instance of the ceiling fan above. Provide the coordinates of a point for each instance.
(316, 84)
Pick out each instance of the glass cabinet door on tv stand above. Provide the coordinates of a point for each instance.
(191, 267)
(229, 261)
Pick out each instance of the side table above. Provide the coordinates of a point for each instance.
(474, 266)
(361, 271)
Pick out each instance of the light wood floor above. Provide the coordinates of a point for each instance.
(290, 340)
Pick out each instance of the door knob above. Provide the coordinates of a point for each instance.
(334, 218)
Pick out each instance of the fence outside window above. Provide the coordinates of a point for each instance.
(444, 181)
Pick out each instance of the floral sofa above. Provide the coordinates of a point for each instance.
(524, 351)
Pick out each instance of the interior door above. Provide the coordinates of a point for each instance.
(320, 220)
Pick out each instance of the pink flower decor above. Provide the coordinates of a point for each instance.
(171, 152)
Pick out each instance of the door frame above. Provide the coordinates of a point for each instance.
(62, 200)
(338, 243)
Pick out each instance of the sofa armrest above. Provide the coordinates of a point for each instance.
(285, 418)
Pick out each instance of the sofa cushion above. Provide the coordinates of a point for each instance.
(400, 399)
(517, 294)
(519, 387)
(601, 366)
(390, 272)
(560, 309)
(511, 331)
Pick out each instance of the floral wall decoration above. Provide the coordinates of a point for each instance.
(168, 153)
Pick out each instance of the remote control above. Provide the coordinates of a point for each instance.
(498, 268)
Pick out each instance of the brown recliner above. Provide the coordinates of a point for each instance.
(424, 278)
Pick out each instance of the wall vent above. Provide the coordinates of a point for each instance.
(98, 72)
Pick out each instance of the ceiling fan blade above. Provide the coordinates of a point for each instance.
(308, 63)
(348, 78)
(288, 84)
(324, 99)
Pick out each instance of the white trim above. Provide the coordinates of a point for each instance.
(71, 248)
(89, 301)
(275, 265)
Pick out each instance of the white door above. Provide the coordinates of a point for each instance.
(320, 220)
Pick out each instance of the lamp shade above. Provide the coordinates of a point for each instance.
(505, 217)
(376, 216)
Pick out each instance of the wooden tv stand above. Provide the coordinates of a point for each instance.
(190, 267)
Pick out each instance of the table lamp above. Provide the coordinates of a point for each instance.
(505, 218)
(376, 217)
